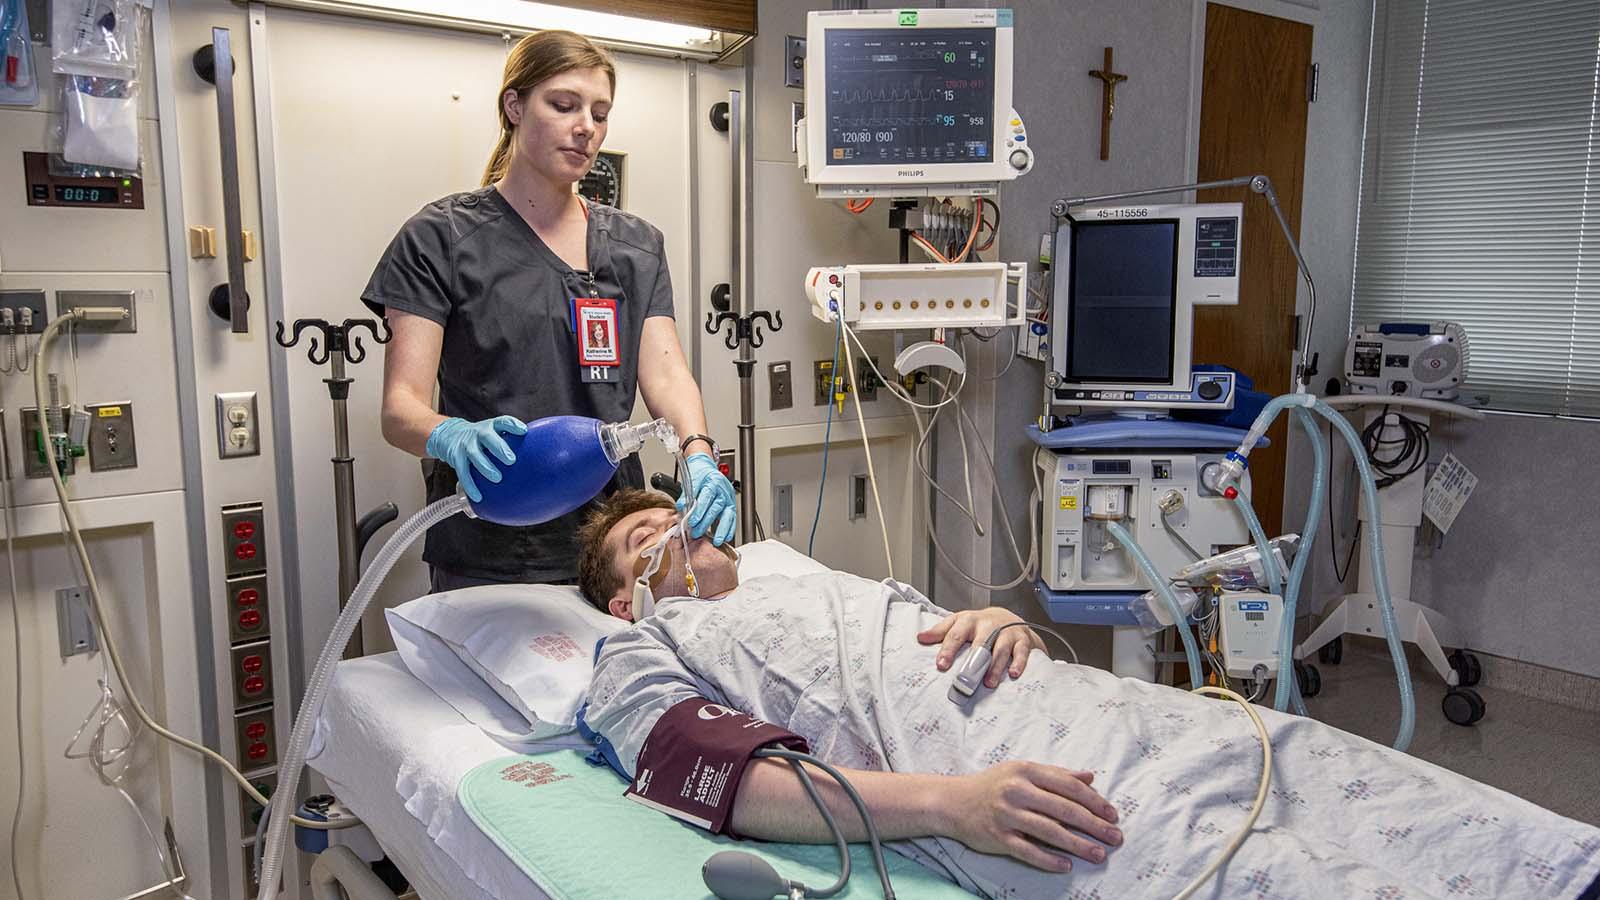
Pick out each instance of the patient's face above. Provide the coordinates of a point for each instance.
(715, 570)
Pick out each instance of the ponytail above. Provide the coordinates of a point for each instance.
(499, 160)
(535, 58)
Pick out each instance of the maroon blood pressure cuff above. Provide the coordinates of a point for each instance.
(694, 757)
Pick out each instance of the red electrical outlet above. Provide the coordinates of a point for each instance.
(252, 673)
(247, 612)
(243, 533)
(257, 742)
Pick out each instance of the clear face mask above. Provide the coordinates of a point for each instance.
(650, 575)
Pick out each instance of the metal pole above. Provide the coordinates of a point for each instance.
(344, 493)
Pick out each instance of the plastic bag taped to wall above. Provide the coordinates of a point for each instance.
(96, 37)
(100, 123)
(19, 83)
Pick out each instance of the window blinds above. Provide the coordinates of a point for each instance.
(1480, 190)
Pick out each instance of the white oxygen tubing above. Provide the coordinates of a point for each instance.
(16, 635)
(866, 446)
(1261, 792)
(305, 719)
(95, 598)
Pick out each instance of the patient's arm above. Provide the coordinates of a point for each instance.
(1018, 809)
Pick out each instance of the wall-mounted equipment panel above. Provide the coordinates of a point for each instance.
(67, 301)
(111, 437)
(46, 188)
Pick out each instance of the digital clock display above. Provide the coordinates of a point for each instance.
(73, 194)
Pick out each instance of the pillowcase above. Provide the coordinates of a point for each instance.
(517, 659)
(532, 645)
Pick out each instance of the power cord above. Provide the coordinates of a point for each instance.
(1395, 458)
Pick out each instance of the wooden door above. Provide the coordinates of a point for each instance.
(1253, 106)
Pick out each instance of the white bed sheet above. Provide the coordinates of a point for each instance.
(394, 753)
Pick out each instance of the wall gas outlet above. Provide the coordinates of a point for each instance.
(111, 437)
(827, 382)
(781, 393)
(249, 810)
(33, 464)
(867, 379)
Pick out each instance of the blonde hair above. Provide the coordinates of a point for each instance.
(536, 58)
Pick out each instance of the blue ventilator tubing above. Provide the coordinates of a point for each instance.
(1288, 690)
(1164, 588)
(561, 464)
(1369, 499)
(1275, 583)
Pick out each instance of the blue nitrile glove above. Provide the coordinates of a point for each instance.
(713, 499)
(469, 445)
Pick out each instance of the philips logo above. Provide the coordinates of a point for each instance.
(911, 173)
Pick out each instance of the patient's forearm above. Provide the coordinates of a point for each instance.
(772, 804)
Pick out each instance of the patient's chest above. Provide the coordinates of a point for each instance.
(818, 655)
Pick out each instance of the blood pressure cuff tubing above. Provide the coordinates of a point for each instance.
(694, 758)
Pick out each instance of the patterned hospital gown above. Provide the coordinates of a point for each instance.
(835, 659)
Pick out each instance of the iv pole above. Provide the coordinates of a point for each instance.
(341, 343)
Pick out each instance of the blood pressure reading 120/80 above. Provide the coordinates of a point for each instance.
(922, 95)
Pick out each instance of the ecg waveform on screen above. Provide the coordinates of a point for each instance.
(892, 95)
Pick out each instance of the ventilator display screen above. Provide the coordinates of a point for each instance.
(910, 95)
(1123, 302)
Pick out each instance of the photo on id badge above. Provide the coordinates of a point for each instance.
(597, 332)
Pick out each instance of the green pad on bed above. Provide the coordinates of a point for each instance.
(566, 824)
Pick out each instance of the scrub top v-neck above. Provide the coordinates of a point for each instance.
(470, 263)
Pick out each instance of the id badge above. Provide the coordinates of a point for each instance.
(599, 344)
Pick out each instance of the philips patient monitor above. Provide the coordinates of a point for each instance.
(910, 103)
(1127, 280)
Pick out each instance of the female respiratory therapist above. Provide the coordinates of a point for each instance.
(524, 301)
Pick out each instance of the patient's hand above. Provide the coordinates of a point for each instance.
(1034, 812)
(1011, 649)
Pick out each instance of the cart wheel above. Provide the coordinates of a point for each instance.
(1468, 670)
(1309, 678)
(1463, 706)
(1331, 653)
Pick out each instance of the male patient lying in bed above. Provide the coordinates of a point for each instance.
(1055, 780)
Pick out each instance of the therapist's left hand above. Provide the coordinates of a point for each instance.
(713, 500)
(1011, 649)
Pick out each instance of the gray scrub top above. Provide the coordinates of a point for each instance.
(470, 263)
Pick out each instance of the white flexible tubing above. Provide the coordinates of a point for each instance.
(82, 552)
(872, 476)
(1255, 808)
(305, 719)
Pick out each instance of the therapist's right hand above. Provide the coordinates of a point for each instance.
(1034, 812)
(470, 445)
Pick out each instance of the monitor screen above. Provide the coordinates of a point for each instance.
(910, 95)
(1123, 302)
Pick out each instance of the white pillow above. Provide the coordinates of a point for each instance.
(774, 557)
(532, 645)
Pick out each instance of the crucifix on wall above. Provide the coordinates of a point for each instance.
(1108, 101)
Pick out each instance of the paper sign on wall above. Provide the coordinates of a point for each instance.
(1447, 492)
